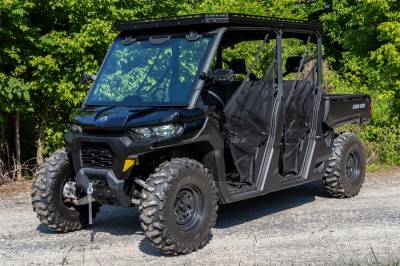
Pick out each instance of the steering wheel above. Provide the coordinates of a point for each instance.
(216, 97)
(213, 94)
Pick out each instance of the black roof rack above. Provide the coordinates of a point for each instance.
(218, 19)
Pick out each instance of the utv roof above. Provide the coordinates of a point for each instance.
(210, 21)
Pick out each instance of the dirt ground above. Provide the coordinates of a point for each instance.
(298, 226)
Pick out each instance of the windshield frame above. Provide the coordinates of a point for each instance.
(204, 67)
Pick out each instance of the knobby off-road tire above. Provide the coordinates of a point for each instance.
(345, 173)
(47, 196)
(165, 209)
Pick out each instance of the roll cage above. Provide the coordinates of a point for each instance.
(230, 29)
(281, 129)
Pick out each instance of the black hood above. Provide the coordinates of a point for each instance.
(130, 117)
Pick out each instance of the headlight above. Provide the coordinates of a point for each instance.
(144, 133)
(76, 129)
(161, 131)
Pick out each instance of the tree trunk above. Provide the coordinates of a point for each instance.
(17, 148)
(41, 134)
(39, 147)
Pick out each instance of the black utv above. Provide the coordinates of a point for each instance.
(176, 123)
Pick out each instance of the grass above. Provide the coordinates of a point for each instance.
(378, 167)
(376, 261)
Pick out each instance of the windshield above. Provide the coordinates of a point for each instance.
(150, 72)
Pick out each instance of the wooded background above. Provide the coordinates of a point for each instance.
(47, 46)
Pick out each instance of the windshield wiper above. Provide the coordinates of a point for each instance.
(157, 40)
(128, 40)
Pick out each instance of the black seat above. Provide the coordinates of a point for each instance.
(298, 95)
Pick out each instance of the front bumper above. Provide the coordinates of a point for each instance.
(107, 187)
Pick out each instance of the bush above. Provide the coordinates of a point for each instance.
(382, 144)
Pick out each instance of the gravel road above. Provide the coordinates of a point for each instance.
(299, 226)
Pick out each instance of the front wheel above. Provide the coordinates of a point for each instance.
(52, 182)
(345, 173)
(179, 206)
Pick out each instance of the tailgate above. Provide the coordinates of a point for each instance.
(343, 109)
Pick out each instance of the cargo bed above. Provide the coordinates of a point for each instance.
(343, 109)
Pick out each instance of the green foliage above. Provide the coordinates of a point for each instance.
(46, 47)
(363, 40)
(13, 93)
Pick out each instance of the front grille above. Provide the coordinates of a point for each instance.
(97, 155)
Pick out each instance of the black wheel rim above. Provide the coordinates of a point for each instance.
(66, 203)
(188, 207)
(353, 168)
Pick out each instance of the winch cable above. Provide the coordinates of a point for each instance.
(89, 193)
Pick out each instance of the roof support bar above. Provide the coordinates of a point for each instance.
(206, 67)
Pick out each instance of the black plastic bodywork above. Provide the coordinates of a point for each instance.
(114, 131)
(343, 109)
(106, 134)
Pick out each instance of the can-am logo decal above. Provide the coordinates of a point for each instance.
(103, 118)
(359, 106)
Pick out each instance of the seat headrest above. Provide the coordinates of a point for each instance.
(292, 64)
(238, 66)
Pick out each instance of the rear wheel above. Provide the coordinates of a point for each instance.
(345, 173)
(179, 206)
(53, 182)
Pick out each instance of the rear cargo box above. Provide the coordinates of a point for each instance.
(346, 108)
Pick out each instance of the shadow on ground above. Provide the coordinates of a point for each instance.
(113, 220)
(118, 221)
(252, 209)
(146, 247)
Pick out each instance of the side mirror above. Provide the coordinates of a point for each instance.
(293, 64)
(221, 75)
(88, 77)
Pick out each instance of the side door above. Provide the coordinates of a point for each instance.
(254, 125)
(302, 96)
